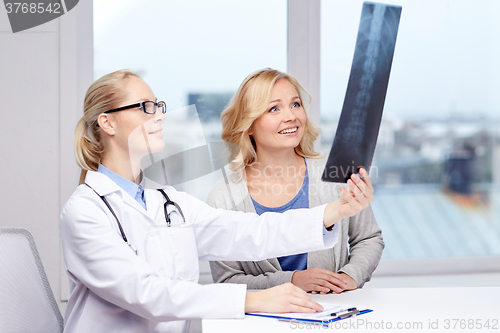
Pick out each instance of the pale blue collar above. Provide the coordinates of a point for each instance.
(127, 185)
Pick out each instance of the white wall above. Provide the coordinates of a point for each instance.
(44, 72)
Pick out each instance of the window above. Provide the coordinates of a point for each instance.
(437, 153)
(437, 193)
(191, 53)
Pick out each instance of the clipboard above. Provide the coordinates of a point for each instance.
(323, 322)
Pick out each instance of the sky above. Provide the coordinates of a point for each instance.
(445, 62)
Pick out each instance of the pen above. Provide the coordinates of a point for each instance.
(334, 314)
(349, 314)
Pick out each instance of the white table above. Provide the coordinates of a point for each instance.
(394, 309)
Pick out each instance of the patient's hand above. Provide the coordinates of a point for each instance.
(351, 283)
(322, 281)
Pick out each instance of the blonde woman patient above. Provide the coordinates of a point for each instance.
(276, 169)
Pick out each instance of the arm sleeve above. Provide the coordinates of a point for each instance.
(235, 271)
(221, 234)
(365, 247)
(96, 255)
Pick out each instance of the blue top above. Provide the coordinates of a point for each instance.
(301, 200)
(135, 191)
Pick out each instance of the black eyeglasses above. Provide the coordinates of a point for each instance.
(148, 107)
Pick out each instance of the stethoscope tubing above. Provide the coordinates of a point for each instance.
(167, 218)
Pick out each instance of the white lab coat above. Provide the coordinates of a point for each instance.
(157, 290)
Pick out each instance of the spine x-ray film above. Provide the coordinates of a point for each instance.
(359, 124)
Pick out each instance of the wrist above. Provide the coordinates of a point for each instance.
(251, 301)
(294, 276)
(332, 214)
(351, 283)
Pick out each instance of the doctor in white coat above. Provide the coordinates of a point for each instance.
(132, 252)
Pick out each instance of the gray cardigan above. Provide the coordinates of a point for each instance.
(361, 232)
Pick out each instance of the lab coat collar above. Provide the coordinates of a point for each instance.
(103, 185)
(152, 197)
(152, 203)
(130, 187)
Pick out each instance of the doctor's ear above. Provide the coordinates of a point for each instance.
(104, 122)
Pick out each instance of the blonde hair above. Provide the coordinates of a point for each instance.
(249, 103)
(104, 94)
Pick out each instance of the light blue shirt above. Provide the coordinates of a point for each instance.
(301, 200)
(135, 191)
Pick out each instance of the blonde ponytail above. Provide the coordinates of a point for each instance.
(104, 94)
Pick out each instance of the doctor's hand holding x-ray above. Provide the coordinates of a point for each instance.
(131, 251)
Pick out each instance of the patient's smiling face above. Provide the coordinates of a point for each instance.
(281, 126)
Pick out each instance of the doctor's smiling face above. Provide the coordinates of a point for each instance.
(281, 126)
(132, 130)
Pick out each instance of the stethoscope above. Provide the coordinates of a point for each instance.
(165, 205)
